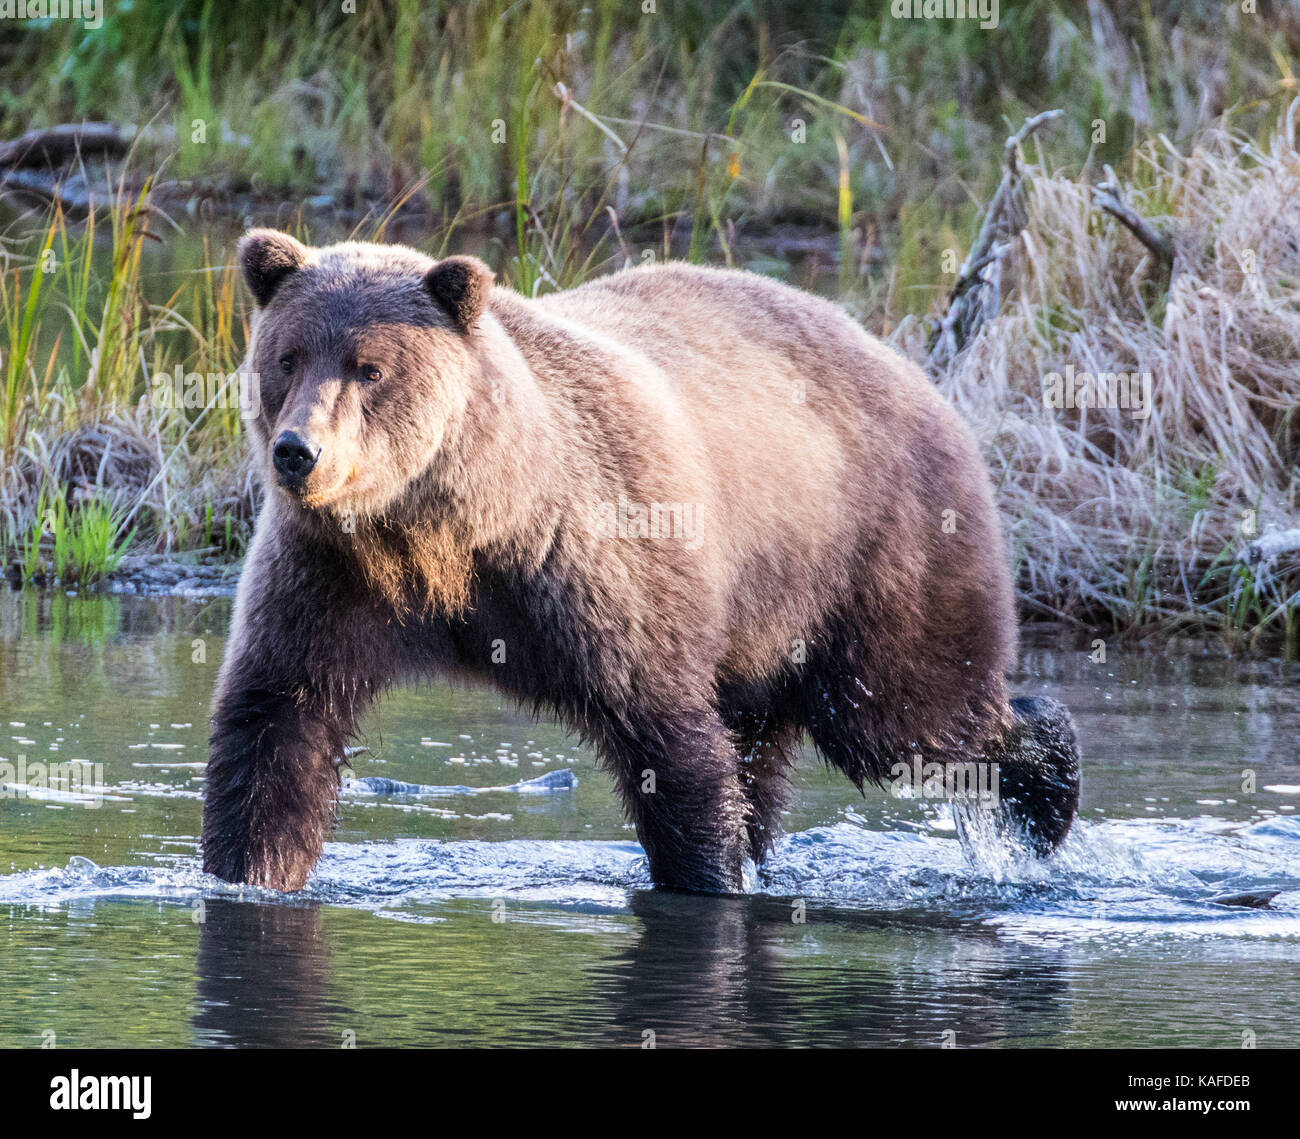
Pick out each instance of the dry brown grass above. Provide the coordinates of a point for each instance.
(1131, 521)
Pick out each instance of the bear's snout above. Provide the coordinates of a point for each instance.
(294, 457)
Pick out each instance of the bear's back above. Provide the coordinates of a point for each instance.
(812, 448)
(720, 315)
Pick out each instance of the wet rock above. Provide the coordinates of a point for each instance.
(158, 574)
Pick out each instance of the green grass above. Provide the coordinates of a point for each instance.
(88, 540)
(71, 545)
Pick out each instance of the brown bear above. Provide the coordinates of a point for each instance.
(693, 513)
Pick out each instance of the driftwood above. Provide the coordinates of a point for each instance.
(84, 166)
(977, 295)
(58, 146)
(1109, 196)
(45, 165)
(48, 165)
(70, 192)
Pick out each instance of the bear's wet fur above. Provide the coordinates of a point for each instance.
(693, 513)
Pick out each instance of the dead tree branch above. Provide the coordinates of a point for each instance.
(1109, 197)
(977, 295)
(57, 146)
(70, 193)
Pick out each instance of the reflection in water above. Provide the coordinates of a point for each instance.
(709, 972)
(263, 976)
(697, 972)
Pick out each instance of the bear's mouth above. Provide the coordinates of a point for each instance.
(310, 490)
(305, 492)
(311, 495)
(296, 488)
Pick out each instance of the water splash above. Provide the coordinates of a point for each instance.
(1113, 879)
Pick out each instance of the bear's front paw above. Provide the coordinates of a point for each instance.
(1040, 786)
(283, 870)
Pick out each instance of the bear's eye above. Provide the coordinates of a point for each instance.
(371, 373)
(286, 363)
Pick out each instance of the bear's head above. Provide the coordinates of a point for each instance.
(365, 356)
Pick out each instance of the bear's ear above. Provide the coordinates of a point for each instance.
(267, 258)
(461, 286)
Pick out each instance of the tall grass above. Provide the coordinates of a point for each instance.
(298, 98)
(1135, 522)
(82, 343)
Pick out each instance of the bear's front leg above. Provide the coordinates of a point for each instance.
(680, 782)
(305, 657)
(272, 784)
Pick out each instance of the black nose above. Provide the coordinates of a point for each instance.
(294, 456)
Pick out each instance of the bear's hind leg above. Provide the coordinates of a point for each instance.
(679, 778)
(1038, 772)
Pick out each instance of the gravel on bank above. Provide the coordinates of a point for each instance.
(162, 574)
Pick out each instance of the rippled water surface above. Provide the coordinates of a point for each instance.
(483, 888)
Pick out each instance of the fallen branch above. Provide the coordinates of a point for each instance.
(1109, 197)
(46, 165)
(57, 146)
(73, 194)
(977, 295)
(70, 193)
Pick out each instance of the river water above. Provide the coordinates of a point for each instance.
(500, 902)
